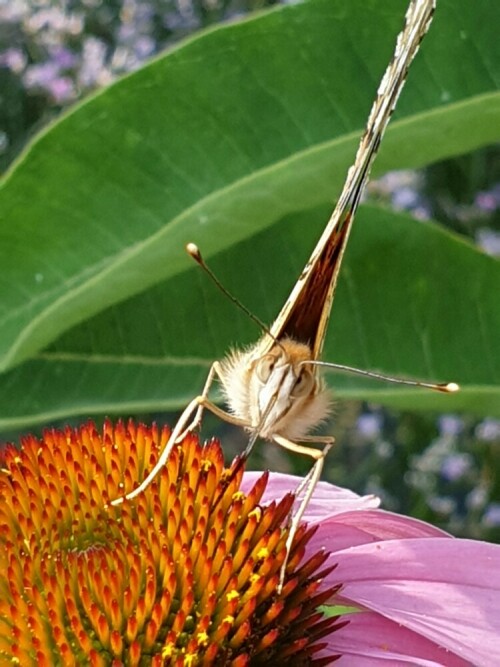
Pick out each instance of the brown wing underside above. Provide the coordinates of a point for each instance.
(308, 317)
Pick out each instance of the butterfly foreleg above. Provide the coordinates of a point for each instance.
(308, 483)
(174, 436)
(202, 398)
(204, 403)
(183, 427)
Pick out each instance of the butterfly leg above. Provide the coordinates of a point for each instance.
(203, 401)
(205, 404)
(310, 482)
(180, 429)
(326, 440)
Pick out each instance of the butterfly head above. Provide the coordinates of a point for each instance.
(275, 391)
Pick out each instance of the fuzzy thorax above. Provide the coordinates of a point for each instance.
(276, 393)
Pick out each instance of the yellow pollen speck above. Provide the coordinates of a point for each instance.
(206, 465)
(254, 578)
(232, 595)
(17, 459)
(202, 638)
(256, 512)
(190, 659)
(238, 495)
(7, 472)
(263, 552)
(228, 619)
(167, 651)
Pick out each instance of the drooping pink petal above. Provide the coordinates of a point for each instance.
(446, 590)
(388, 525)
(370, 639)
(349, 529)
(428, 599)
(326, 501)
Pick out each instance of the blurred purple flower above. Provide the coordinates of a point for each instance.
(126, 32)
(477, 498)
(491, 516)
(405, 198)
(489, 201)
(14, 59)
(489, 241)
(40, 76)
(64, 58)
(450, 425)
(51, 23)
(93, 71)
(369, 425)
(12, 11)
(488, 429)
(144, 46)
(486, 201)
(62, 90)
(143, 11)
(442, 505)
(455, 466)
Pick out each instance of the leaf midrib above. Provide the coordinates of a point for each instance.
(121, 259)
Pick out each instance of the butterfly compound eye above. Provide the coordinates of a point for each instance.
(304, 385)
(265, 367)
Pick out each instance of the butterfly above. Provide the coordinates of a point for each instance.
(274, 389)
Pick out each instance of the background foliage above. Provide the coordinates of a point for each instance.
(239, 139)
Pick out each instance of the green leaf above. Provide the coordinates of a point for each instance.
(413, 300)
(235, 131)
(339, 610)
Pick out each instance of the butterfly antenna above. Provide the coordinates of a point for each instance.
(194, 252)
(444, 387)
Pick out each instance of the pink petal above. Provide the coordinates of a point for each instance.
(370, 639)
(387, 525)
(444, 589)
(326, 501)
(350, 529)
(434, 600)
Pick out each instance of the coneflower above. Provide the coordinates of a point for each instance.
(184, 574)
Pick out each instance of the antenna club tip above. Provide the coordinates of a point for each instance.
(448, 387)
(193, 250)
